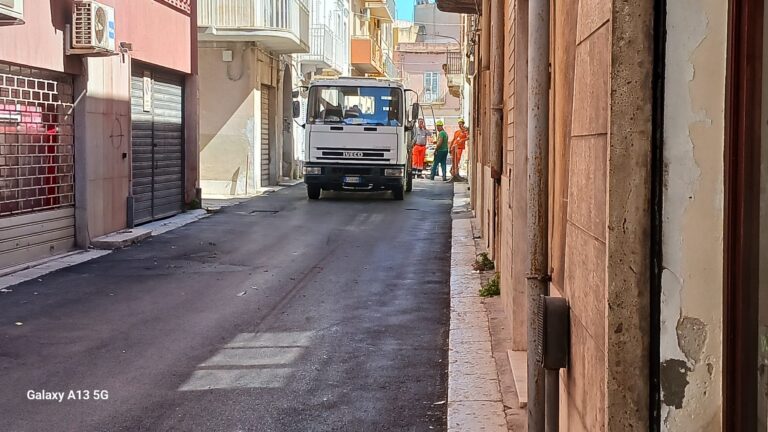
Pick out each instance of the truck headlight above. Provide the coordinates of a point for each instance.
(313, 170)
(393, 172)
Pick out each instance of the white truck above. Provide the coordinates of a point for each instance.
(356, 136)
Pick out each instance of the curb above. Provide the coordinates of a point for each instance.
(474, 393)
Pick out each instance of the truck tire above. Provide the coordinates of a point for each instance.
(313, 192)
(409, 182)
(397, 193)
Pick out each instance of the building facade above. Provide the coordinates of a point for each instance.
(98, 131)
(246, 129)
(372, 38)
(630, 184)
(429, 60)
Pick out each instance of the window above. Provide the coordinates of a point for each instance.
(431, 86)
(365, 106)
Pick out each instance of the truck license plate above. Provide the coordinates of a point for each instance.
(352, 179)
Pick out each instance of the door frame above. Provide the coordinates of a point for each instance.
(742, 212)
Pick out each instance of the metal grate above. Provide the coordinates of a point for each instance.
(185, 5)
(453, 62)
(82, 23)
(36, 141)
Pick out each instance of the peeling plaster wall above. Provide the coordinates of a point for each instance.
(692, 291)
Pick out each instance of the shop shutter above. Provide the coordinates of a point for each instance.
(37, 184)
(157, 115)
(265, 132)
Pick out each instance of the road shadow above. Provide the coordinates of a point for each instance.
(357, 196)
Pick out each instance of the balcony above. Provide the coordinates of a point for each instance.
(382, 9)
(389, 67)
(427, 97)
(367, 56)
(327, 49)
(281, 26)
(454, 80)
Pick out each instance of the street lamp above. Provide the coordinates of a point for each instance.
(439, 35)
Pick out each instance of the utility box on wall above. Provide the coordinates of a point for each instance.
(553, 341)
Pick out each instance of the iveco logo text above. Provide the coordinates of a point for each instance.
(353, 154)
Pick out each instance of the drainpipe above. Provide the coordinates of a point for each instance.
(657, 201)
(485, 27)
(497, 87)
(485, 66)
(537, 280)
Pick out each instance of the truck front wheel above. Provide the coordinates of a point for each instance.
(313, 191)
(398, 193)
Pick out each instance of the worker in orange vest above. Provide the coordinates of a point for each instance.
(458, 144)
(419, 141)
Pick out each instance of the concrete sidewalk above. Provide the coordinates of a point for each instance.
(474, 394)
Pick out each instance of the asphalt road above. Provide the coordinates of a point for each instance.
(278, 314)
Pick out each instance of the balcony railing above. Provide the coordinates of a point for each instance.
(427, 97)
(327, 49)
(389, 67)
(279, 25)
(453, 62)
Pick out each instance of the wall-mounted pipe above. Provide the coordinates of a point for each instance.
(485, 33)
(538, 194)
(497, 88)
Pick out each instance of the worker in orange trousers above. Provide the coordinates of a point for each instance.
(458, 144)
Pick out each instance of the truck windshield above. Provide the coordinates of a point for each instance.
(365, 106)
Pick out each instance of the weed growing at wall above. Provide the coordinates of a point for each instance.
(491, 287)
(482, 262)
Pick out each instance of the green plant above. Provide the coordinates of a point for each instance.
(195, 204)
(491, 287)
(482, 262)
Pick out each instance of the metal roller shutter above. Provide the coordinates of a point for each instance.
(265, 114)
(37, 190)
(158, 144)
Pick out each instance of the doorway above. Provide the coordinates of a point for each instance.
(157, 144)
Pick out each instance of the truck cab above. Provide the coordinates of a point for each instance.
(356, 136)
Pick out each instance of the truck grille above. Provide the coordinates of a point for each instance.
(353, 154)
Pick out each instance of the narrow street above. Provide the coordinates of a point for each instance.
(276, 314)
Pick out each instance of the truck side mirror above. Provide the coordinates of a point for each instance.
(415, 112)
(296, 109)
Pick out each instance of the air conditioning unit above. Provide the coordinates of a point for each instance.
(11, 12)
(93, 27)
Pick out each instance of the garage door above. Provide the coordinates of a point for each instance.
(265, 132)
(37, 185)
(157, 144)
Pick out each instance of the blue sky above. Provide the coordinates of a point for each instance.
(404, 9)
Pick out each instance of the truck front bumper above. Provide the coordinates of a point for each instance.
(355, 177)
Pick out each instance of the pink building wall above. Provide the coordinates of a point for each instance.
(162, 33)
(40, 41)
(412, 60)
(413, 65)
(159, 32)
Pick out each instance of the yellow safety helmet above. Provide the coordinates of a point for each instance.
(461, 120)
(439, 123)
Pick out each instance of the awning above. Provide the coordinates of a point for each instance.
(474, 7)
